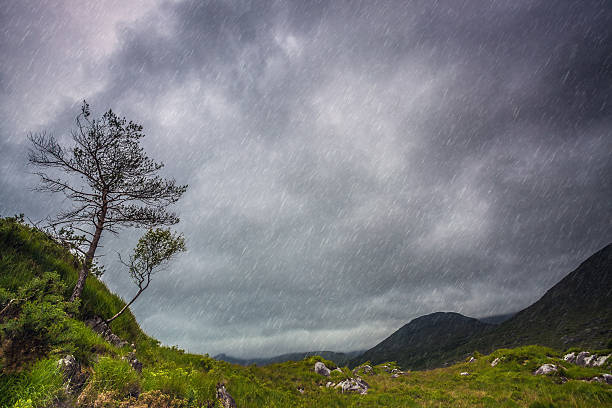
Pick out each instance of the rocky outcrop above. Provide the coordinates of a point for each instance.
(74, 378)
(365, 369)
(321, 369)
(224, 397)
(356, 385)
(546, 369)
(586, 359)
(99, 326)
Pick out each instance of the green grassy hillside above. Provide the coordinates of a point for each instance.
(40, 327)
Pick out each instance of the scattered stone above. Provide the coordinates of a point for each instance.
(394, 375)
(320, 368)
(546, 369)
(300, 390)
(338, 370)
(224, 397)
(471, 360)
(329, 384)
(495, 362)
(465, 373)
(353, 385)
(134, 362)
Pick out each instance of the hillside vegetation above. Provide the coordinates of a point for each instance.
(38, 327)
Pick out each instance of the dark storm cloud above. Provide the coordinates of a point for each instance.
(351, 165)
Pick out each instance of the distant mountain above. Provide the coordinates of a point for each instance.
(341, 359)
(576, 312)
(425, 341)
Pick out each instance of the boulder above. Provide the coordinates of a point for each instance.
(471, 360)
(546, 369)
(320, 368)
(224, 397)
(495, 362)
(353, 385)
(607, 378)
(464, 373)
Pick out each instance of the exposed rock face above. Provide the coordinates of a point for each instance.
(546, 369)
(99, 326)
(586, 359)
(321, 369)
(224, 398)
(74, 379)
(495, 362)
(134, 362)
(353, 385)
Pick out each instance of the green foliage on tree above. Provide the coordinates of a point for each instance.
(152, 253)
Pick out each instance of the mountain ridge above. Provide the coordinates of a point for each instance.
(575, 312)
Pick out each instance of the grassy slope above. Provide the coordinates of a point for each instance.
(190, 379)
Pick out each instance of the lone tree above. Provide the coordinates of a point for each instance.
(108, 177)
(153, 251)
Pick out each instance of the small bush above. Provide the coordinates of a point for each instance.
(35, 321)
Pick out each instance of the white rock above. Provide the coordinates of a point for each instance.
(471, 360)
(353, 385)
(600, 361)
(546, 369)
(581, 358)
(570, 358)
(465, 373)
(607, 378)
(495, 362)
(320, 368)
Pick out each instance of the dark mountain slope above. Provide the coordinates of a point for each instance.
(576, 312)
(425, 341)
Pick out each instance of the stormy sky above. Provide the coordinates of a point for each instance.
(351, 165)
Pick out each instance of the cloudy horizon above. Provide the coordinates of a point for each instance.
(351, 165)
